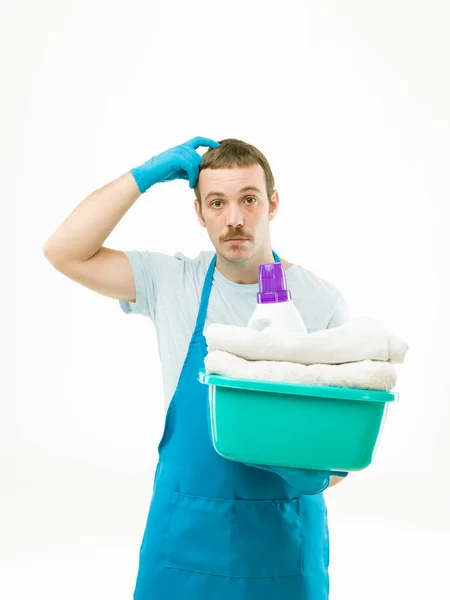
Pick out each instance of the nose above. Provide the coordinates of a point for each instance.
(234, 217)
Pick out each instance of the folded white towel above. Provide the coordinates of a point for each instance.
(366, 374)
(359, 339)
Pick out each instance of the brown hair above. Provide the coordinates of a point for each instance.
(236, 153)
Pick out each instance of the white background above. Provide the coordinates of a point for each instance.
(349, 101)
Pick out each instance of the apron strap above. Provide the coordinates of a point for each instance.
(201, 316)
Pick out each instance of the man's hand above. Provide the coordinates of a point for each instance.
(335, 481)
(179, 162)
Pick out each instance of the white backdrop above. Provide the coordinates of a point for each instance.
(349, 101)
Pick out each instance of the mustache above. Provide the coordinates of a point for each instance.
(237, 236)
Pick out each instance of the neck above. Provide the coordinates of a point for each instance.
(246, 272)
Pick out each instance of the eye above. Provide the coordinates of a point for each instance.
(248, 197)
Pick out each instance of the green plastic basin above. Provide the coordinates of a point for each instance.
(290, 425)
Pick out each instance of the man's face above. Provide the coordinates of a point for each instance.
(235, 205)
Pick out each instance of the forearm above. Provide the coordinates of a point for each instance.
(83, 232)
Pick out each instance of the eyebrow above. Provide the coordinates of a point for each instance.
(247, 188)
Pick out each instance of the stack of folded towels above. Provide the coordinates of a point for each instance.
(358, 354)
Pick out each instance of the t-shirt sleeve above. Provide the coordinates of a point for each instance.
(155, 274)
(340, 314)
(142, 265)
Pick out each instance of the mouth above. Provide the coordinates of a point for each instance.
(236, 241)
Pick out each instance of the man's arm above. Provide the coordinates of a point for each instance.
(75, 248)
(82, 234)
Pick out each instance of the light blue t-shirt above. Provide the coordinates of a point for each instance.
(169, 288)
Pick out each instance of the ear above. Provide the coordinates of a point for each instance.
(199, 213)
(273, 206)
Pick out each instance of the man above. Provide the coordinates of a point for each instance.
(216, 528)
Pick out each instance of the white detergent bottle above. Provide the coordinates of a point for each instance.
(275, 307)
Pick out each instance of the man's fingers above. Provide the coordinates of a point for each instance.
(201, 141)
(191, 154)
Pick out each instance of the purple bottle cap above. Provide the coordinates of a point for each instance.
(272, 284)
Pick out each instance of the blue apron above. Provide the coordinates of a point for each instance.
(219, 529)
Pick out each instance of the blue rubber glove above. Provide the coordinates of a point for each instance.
(179, 162)
(304, 481)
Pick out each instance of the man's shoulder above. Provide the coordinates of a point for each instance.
(310, 280)
(195, 265)
(202, 256)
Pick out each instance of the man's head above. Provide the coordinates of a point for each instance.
(235, 197)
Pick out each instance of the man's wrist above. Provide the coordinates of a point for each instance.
(144, 176)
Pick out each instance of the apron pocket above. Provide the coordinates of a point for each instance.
(235, 538)
(266, 538)
(199, 535)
